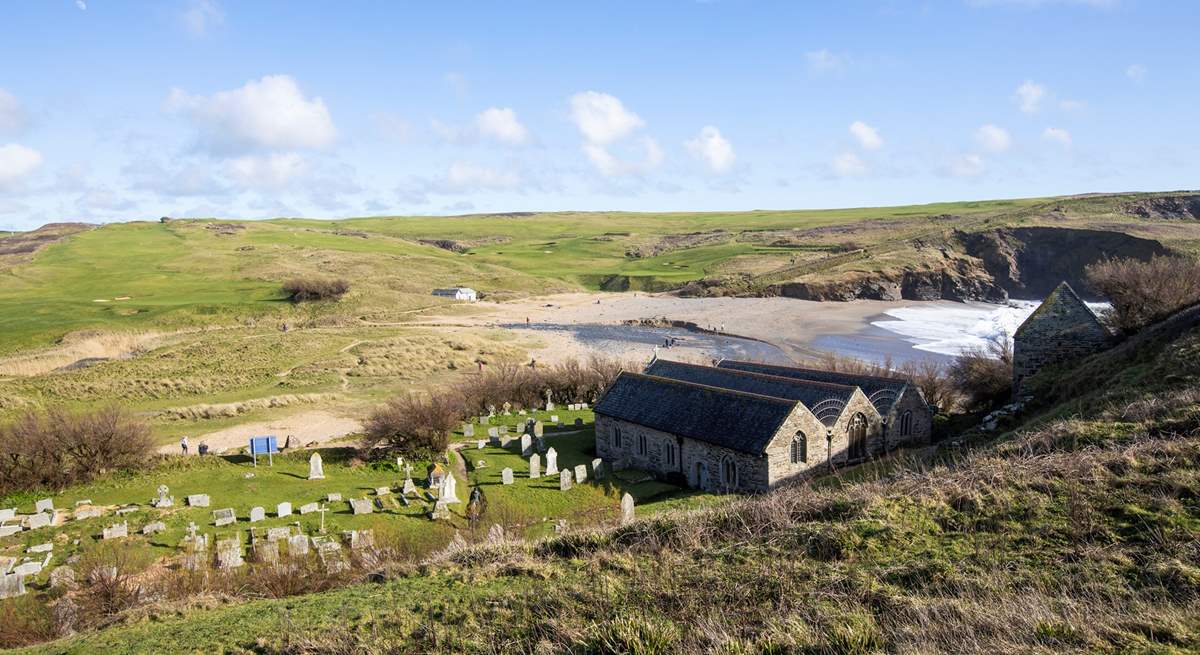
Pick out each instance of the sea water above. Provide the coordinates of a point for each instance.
(950, 330)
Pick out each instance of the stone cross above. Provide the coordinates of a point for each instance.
(535, 467)
(506, 476)
(564, 480)
(552, 461)
(549, 403)
(316, 469)
(626, 509)
(581, 473)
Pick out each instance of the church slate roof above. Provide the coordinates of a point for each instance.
(740, 421)
(1063, 299)
(809, 392)
(883, 392)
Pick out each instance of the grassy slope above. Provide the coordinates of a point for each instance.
(1068, 535)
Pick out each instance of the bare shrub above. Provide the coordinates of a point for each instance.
(111, 582)
(57, 448)
(983, 375)
(1143, 292)
(568, 381)
(305, 289)
(934, 382)
(24, 621)
(414, 425)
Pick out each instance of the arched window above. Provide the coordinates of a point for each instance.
(906, 424)
(729, 473)
(858, 437)
(799, 448)
(641, 444)
(617, 438)
(671, 454)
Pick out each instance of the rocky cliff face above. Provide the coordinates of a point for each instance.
(1171, 208)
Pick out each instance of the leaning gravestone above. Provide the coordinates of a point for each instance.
(564, 480)
(116, 531)
(198, 500)
(535, 467)
(361, 506)
(257, 514)
(506, 476)
(12, 585)
(44, 505)
(552, 461)
(626, 509)
(224, 517)
(39, 520)
(526, 445)
(581, 473)
(307, 508)
(598, 468)
(283, 509)
(316, 468)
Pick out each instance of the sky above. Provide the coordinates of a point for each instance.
(116, 111)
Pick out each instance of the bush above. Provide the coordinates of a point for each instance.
(984, 375)
(303, 289)
(58, 448)
(414, 426)
(1143, 292)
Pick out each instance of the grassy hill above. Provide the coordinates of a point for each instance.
(1078, 531)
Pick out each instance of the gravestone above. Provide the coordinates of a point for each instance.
(495, 533)
(358, 539)
(333, 498)
(493, 432)
(307, 508)
(266, 552)
(410, 487)
(539, 429)
(361, 506)
(316, 468)
(581, 473)
(257, 514)
(506, 476)
(277, 534)
(383, 491)
(28, 568)
(468, 430)
(154, 528)
(440, 511)
(283, 509)
(626, 509)
(298, 545)
(9, 530)
(12, 585)
(40, 548)
(503, 430)
(128, 509)
(224, 517)
(163, 500)
(229, 553)
(598, 468)
(526, 445)
(506, 441)
(483, 420)
(44, 505)
(480, 444)
(480, 464)
(116, 531)
(87, 513)
(549, 401)
(8, 514)
(86, 501)
(63, 576)
(583, 406)
(535, 467)
(551, 461)
(448, 492)
(198, 500)
(522, 412)
(564, 480)
(39, 520)
(554, 418)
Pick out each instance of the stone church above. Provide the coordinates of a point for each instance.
(1062, 329)
(746, 427)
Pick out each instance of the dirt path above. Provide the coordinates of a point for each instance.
(305, 427)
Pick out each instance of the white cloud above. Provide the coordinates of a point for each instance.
(1136, 72)
(12, 117)
(270, 173)
(602, 118)
(501, 124)
(202, 16)
(823, 61)
(993, 138)
(268, 113)
(463, 176)
(713, 149)
(1029, 96)
(610, 165)
(849, 164)
(868, 137)
(1058, 135)
(16, 162)
(81, 4)
(969, 165)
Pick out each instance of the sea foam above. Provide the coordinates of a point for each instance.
(951, 329)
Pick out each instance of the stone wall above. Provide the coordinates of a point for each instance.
(922, 420)
(1062, 329)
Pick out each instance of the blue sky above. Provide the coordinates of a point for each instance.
(132, 110)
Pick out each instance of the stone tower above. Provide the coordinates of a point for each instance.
(1062, 329)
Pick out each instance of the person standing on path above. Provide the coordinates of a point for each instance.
(183, 444)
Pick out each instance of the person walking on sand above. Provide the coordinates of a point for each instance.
(183, 444)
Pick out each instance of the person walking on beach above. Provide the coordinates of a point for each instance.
(183, 444)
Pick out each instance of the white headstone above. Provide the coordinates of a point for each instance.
(506, 476)
(493, 432)
(539, 429)
(283, 509)
(9, 530)
(257, 514)
(163, 499)
(480, 444)
(307, 508)
(12, 585)
(526, 445)
(333, 498)
(154, 528)
(223, 517)
(468, 430)
(116, 531)
(554, 418)
(409, 487)
(448, 493)
(40, 548)
(316, 468)
(44, 505)
(229, 553)
(626, 509)
(87, 513)
(198, 500)
(598, 468)
(383, 491)
(581, 473)
(552, 461)
(564, 480)
(39, 520)
(8, 514)
(361, 506)
(535, 466)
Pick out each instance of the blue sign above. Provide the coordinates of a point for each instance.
(263, 445)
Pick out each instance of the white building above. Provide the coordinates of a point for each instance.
(458, 293)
